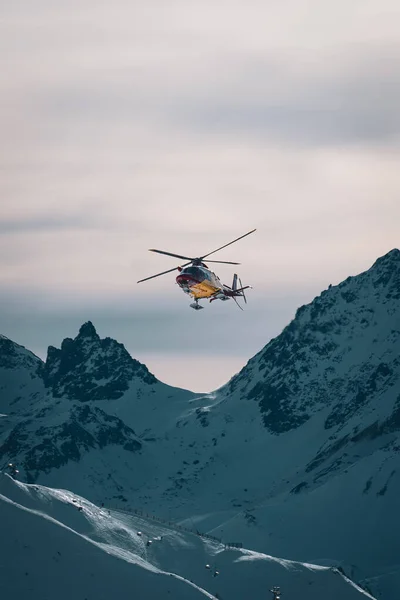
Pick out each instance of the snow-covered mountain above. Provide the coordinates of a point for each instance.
(55, 544)
(297, 456)
(88, 396)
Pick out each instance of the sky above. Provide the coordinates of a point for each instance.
(182, 125)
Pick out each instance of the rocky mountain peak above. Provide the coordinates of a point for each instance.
(90, 368)
(386, 273)
(390, 257)
(88, 330)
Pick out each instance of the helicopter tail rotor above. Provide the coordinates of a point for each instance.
(243, 294)
(238, 292)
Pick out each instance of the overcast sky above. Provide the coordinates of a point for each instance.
(181, 125)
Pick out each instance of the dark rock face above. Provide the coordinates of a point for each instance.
(388, 276)
(51, 446)
(357, 393)
(89, 368)
(13, 356)
(274, 402)
(21, 383)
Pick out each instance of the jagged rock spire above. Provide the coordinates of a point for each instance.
(88, 330)
(90, 368)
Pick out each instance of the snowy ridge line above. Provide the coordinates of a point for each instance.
(107, 548)
(292, 564)
(44, 515)
(130, 512)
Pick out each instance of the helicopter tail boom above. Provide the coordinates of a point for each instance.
(245, 287)
(235, 290)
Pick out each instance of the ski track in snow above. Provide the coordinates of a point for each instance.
(288, 564)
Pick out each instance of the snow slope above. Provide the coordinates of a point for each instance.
(69, 548)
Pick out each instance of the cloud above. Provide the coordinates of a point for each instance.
(181, 126)
(333, 98)
(46, 223)
(323, 77)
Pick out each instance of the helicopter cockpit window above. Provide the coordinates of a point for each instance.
(193, 271)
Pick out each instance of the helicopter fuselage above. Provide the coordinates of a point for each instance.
(199, 282)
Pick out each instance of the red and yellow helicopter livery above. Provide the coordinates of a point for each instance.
(196, 279)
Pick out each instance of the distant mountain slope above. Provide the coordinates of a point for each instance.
(50, 549)
(342, 350)
(20, 377)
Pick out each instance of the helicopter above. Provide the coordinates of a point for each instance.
(196, 279)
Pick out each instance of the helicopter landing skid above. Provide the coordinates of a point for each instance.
(196, 305)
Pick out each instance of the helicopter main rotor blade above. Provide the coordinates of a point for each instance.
(170, 254)
(237, 239)
(223, 262)
(163, 273)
